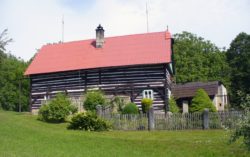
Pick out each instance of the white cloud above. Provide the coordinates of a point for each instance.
(34, 23)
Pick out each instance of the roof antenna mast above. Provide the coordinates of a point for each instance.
(147, 15)
(62, 28)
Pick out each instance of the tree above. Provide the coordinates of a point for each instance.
(12, 71)
(238, 57)
(4, 40)
(198, 60)
(173, 106)
(11, 74)
(201, 101)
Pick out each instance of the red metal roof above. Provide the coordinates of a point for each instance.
(149, 48)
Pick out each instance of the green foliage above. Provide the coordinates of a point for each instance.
(201, 101)
(92, 99)
(198, 60)
(11, 73)
(56, 110)
(130, 108)
(244, 100)
(146, 104)
(173, 106)
(117, 104)
(238, 56)
(88, 121)
(243, 130)
(243, 126)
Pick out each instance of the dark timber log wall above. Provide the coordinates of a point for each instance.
(130, 80)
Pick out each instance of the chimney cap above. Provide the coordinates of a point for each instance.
(99, 28)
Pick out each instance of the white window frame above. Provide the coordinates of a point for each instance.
(149, 93)
(46, 97)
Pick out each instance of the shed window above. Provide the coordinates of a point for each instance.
(148, 94)
(169, 94)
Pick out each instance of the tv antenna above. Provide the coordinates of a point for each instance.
(63, 28)
(147, 16)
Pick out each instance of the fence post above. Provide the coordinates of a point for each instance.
(99, 110)
(205, 122)
(151, 119)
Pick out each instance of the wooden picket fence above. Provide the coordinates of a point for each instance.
(175, 121)
(228, 120)
(127, 121)
(178, 121)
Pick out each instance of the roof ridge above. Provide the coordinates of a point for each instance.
(109, 37)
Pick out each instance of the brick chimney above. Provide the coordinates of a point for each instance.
(99, 36)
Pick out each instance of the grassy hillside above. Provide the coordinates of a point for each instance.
(22, 135)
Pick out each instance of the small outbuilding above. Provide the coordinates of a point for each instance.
(184, 93)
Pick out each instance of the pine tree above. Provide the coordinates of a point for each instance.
(201, 101)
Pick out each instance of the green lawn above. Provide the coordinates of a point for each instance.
(22, 135)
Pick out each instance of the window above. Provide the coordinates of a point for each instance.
(148, 94)
(46, 97)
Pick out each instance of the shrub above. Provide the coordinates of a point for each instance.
(117, 104)
(130, 108)
(88, 121)
(173, 106)
(56, 110)
(201, 101)
(146, 104)
(92, 99)
(242, 130)
(244, 100)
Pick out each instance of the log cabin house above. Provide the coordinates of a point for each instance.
(136, 66)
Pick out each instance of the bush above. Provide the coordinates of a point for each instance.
(92, 99)
(243, 130)
(88, 121)
(130, 108)
(146, 104)
(244, 100)
(117, 104)
(173, 106)
(56, 110)
(201, 101)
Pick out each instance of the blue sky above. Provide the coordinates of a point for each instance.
(33, 23)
